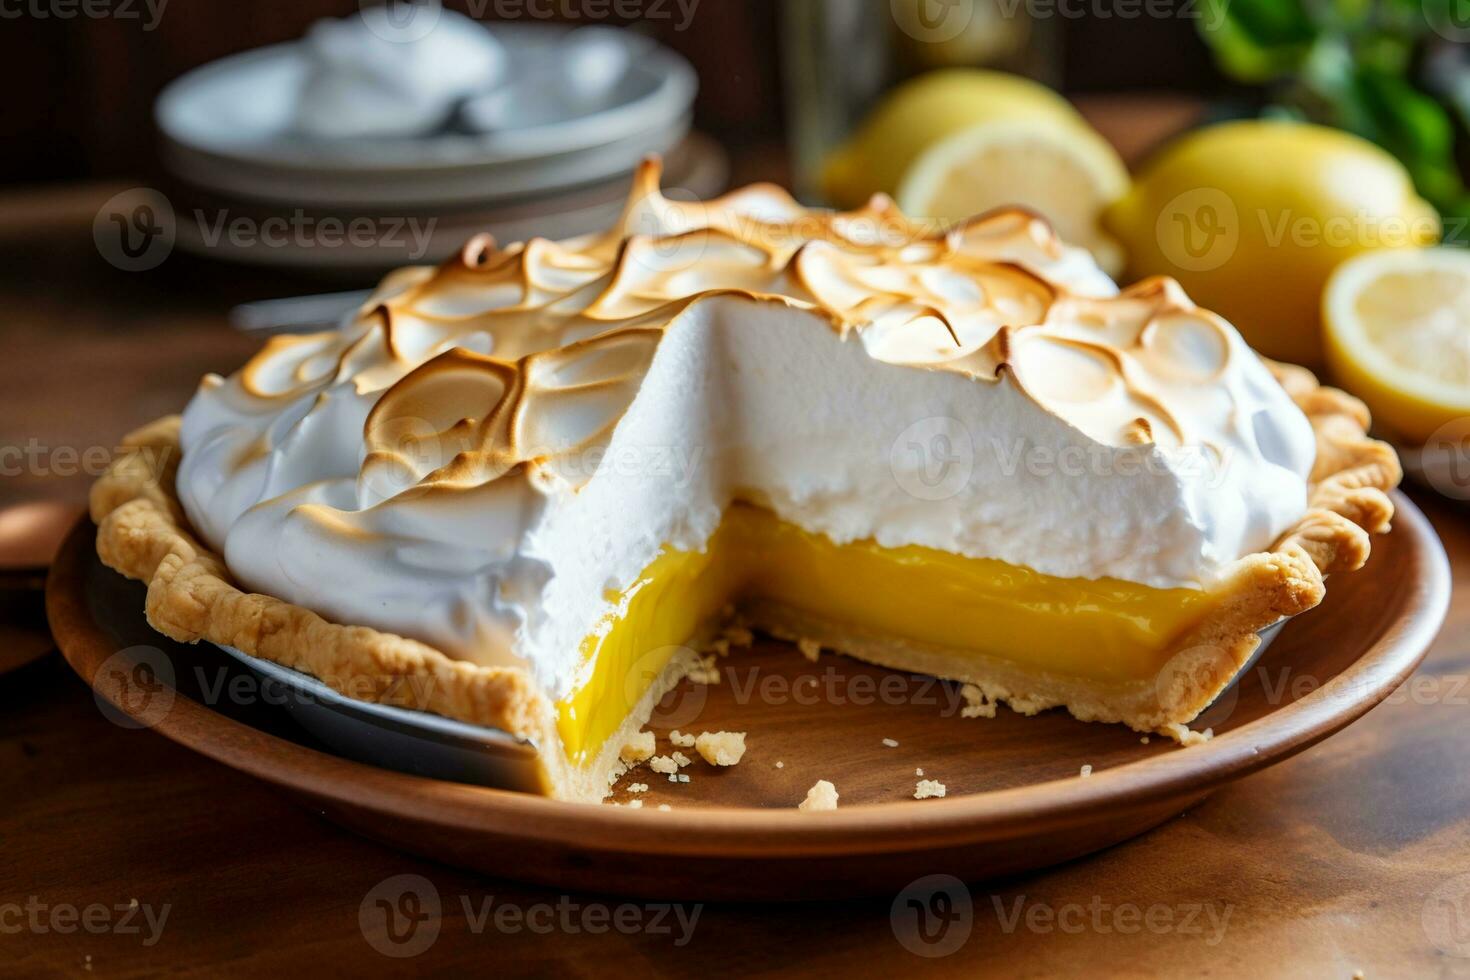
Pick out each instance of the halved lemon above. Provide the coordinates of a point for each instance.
(1398, 336)
(1067, 173)
(924, 111)
(950, 144)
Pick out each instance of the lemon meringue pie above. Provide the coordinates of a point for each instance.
(542, 476)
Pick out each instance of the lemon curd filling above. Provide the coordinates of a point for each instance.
(1105, 630)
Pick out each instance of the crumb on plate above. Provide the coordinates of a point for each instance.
(822, 796)
(638, 747)
(707, 672)
(927, 788)
(977, 705)
(721, 748)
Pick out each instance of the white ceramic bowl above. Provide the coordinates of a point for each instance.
(228, 126)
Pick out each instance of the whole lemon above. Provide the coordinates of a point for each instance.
(1252, 217)
(924, 111)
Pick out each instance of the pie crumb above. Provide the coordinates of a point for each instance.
(721, 748)
(1144, 740)
(918, 772)
(1186, 736)
(926, 788)
(635, 804)
(665, 807)
(1086, 771)
(810, 649)
(708, 671)
(892, 743)
(638, 747)
(780, 764)
(822, 796)
(663, 764)
(739, 636)
(682, 739)
(977, 705)
(637, 787)
(680, 759)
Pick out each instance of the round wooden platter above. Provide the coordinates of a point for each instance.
(1016, 797)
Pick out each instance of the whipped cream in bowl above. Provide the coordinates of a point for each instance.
(429, 92)
(485, 451)
(385, 73)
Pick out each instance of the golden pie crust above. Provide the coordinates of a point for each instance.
(143, 533)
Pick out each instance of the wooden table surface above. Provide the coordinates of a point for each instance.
(124, 854)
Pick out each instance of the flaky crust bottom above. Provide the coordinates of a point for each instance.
(143, 533)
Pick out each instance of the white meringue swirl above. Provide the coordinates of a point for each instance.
(485, 450)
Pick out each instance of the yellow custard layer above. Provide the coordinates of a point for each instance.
(1100, 629)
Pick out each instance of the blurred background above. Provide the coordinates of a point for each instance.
(90, 82)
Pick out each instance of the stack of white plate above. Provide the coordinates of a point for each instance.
(254, 188)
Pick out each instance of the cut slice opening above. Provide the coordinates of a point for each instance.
(980, 612)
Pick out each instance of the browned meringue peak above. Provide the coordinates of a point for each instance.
(541, 294)
(540, 346)
(531, 412)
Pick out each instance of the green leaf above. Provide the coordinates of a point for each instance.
(1257, 40)
(1416, 129)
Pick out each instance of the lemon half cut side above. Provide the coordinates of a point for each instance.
(1067, 175)
(1398, 336)
(951, 144)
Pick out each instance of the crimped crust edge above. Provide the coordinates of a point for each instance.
(143, 534)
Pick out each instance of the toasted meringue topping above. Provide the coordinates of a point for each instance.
(441, 465)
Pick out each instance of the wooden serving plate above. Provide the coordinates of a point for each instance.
(1015, 801)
